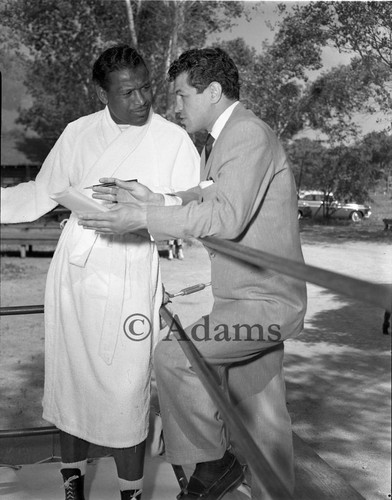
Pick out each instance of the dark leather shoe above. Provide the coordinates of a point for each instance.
(131, 494)
(73, 484)
(212, 480)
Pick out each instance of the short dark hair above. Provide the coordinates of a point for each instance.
(114, 59)
(204, 66)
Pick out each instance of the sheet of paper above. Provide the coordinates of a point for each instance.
(77, 202)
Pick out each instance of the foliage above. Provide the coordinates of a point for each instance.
(59, 40)
(305, 156)
(270, 87)
(378, 147)
(53, 36)
(350, 172)
(361, 28)
(276, 83)
(331, 101)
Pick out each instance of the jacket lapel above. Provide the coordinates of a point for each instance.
(209, 168)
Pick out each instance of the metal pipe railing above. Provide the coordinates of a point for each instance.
(30, 431)
(364, 291)
(14, 310)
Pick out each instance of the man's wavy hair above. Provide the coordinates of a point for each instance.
(204, 66)
(112, 59)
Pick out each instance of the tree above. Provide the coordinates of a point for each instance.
(181, 25)
(361, 28)
(271, 87)
(305, 156)
(349, 172)
(378, 148)
(355, 176)
(276, 83)
(332, 100)
(53, 38)
(59, 39)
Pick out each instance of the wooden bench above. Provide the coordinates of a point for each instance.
(27, 236)
(387, 224)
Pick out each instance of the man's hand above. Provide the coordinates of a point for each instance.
(126, 192)
(122, 218)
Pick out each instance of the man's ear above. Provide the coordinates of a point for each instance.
(101, 93)
(215, 92)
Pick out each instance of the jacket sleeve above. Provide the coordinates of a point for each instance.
(246, 168)
(192, 194)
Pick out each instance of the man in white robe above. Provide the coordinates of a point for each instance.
(103, 293)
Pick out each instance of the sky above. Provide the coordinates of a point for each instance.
(255, 31)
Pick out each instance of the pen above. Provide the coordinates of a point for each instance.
(108, 184)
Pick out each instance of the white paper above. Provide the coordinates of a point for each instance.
(205, 184)
(77, 202)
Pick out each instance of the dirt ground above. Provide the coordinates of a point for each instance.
(337, 371)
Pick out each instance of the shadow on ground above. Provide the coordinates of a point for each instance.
(338, 381)
(315, 233)
(16, 413)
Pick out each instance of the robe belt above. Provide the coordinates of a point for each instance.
(114, 304)
(85, 243)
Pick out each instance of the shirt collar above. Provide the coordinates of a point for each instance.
(222, 120)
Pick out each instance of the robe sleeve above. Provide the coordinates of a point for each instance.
(186, 170)
(28, 201)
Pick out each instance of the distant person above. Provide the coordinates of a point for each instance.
(247, 195)
(103, 293)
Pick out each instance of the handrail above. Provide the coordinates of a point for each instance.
(14, 310)
(30, 431)
(365, 291)
(371, 293)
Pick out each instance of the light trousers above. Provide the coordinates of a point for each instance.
(252, 373)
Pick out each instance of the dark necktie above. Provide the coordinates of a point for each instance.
(208, 146)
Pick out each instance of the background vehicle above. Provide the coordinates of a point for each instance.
(304, 209)
(327, 206)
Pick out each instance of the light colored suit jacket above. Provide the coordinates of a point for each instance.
(253, 202)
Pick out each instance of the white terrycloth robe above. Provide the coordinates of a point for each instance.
(97, 375)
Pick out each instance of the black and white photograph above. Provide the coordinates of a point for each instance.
(195, 249)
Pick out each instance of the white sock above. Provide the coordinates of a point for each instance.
(131, 485)
(82, 465)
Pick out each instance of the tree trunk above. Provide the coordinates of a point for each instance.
(131, 22)
(178, 15)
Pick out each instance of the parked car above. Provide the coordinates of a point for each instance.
(336, 209)
(304, 209)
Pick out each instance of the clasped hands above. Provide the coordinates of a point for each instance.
(128, 215)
